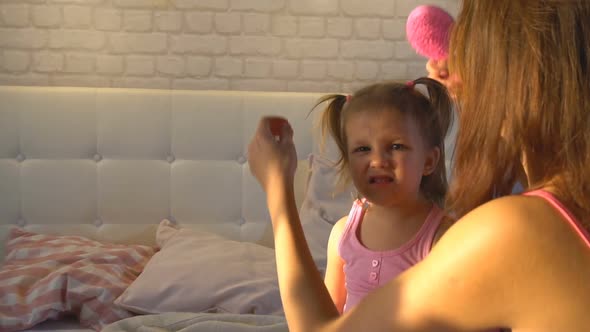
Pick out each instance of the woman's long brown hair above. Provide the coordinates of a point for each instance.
(525, 96)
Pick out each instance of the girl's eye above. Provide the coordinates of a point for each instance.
(397, 147)
(361, 149)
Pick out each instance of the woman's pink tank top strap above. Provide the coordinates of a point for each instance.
(582, 232)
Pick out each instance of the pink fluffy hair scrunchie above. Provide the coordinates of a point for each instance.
(428, 30)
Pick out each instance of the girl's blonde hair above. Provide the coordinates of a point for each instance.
(525, 96)
(433, 116)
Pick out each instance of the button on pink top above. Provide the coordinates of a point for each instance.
(365, 269)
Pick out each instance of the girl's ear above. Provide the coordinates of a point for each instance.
(432, 159)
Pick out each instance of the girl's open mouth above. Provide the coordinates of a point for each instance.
(380, 179)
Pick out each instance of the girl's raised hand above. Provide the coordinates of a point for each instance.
(271, 153)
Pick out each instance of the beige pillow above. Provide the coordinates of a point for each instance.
(46, 276)
(197, 271)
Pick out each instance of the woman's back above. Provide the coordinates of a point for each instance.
(556, 267)
(535, 278)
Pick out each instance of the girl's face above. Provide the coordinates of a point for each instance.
(387, 156)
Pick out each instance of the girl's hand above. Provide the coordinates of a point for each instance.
(272, 158)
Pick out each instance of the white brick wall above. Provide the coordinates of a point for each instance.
(109, 64)
(274, 45)
(47, 62)
(16, 61)
(15, 15)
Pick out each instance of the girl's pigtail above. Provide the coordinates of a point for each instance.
(440, 101)
(331, 120)
(441, 105)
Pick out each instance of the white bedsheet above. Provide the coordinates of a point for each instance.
(201, 322)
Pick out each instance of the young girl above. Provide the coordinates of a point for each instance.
(391, 142)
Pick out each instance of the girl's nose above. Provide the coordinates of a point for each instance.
(380, 159)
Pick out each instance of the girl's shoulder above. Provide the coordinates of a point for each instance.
(339, 226)
(338, 230)
(346, 223)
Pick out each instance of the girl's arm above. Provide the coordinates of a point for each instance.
(457, 287)
(307, 303)
(335, 278)
(273, 162)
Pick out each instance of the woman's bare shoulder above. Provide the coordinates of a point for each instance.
(489, 219)
(479, 267)
(527, 218)
(515, 227)
(511, 214)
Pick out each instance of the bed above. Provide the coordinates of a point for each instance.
(123, 209)
(149, 187)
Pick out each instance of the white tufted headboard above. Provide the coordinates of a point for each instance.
(110, 164)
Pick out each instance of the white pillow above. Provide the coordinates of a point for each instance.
(197, 271)
(325, 201)
(324, 196)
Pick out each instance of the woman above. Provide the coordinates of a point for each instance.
(520, 261)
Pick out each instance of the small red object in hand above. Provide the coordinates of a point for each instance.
(276, 124)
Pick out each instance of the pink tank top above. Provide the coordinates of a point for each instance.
(366, 270)
(576, 225)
